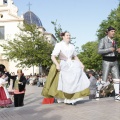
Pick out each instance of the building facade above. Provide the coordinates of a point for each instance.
(9, 21)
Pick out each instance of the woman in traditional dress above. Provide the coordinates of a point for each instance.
(4, 95)
(66, 80)
(19, 83)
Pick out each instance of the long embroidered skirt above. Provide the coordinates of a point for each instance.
(50, 89)
(4, 99)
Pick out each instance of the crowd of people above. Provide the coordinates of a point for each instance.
(36, 79)
(18, 83)
(98, 87)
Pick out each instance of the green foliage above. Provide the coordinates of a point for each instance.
(89, 56)
(113, 20)
(58, 30)
(29, 47)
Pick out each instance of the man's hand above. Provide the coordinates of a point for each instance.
(112, 49)
(118, 50)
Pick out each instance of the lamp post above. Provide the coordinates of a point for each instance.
(39, 65)
(33, 69)
(40, 68)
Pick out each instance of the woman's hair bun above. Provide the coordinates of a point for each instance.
(62, 34)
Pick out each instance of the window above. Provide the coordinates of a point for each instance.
(2, 35)
(1, 15)
(5, 1)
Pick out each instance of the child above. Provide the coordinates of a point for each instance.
(92, 86)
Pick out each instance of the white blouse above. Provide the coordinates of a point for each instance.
(2, 81)
(67, 49)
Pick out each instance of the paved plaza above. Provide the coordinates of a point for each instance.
(105, 109)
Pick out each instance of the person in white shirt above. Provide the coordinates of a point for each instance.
(69, 82)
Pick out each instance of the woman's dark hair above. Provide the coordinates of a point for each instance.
(2, 67)
(63, 33)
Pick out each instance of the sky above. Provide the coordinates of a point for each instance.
(80, 17)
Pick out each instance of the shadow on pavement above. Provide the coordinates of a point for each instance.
(83, 101)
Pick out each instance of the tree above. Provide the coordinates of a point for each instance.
(89, 56)
(58, 31)
(29, 47)
(113, 20)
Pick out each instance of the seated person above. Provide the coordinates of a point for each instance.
(108, 91)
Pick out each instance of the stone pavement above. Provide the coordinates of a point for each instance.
(105, 109)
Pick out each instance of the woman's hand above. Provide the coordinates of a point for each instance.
(20, 83)
(58, 67)
(55, 62)
(2, 85)
(6, 82)
(5, 69)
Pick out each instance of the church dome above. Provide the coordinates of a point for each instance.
(31, 18)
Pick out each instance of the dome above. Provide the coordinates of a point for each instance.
(31, 18)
